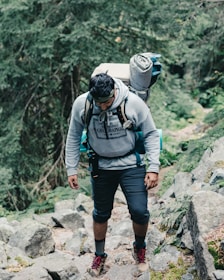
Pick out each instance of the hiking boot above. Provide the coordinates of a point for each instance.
(139, 256)
(97, 265)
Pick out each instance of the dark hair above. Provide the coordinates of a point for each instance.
(101, 85)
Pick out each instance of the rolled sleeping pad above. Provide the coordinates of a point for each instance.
(140, 72)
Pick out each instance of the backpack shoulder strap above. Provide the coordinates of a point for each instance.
(88, 110)
(126, 123)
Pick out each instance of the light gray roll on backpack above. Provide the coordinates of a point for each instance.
(140, 72)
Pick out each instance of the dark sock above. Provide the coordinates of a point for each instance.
(99, 245)
(139, 242)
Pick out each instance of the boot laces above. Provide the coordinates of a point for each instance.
(96, 262)
(141, 255)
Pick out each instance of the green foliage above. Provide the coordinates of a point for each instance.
(173, 215)
(217, 254)
(194, 149)
(46, 202)
(12, 197)
(44, 49)
(212, 97)
(48, 52)
(221, 184)
(167, 158)
(214, 117)
(167, 181)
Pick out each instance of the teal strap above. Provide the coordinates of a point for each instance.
(138, 159)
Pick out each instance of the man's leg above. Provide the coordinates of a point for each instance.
(99, 230)
(136, 195)
(104, 188)
(140, 233)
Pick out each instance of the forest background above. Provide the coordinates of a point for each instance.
(48, 50)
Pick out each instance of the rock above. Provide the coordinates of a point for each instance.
(161, 261)
(5, 275)
(5, 232)
(154, 239)
(219, 274)
(53, 266)
(206, 213)
(61, 243)
(212, 157)
(123, 228)
(218, 174)
(34, 239)
(12, 258)
(68, 219)
(187, 276)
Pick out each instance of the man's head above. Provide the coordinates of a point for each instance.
(101, 87)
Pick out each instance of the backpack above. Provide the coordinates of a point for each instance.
(139, 75)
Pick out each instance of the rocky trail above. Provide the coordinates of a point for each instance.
(60, 245)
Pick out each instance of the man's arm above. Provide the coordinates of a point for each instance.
(72, 148)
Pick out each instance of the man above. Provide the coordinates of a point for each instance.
(115, 163)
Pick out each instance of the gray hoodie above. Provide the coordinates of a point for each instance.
(108, 138)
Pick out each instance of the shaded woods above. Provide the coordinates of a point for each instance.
(48, 51)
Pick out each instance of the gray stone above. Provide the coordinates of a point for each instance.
(218, 174)
(116, 241)
(154, 239)
(206, 213)
(12, 257)
(123, 228)
(34, 239)
(161, 261)
(83, 203)
(186, 241)
(209, 160)
(45, 219)
(4, 275)
(64, 204)
(53, 266)
(5, 232)
(219, 274)
(69, 219)
(74, 241)
(187, 276)
(118, 272)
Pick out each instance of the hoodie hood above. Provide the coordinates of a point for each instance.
(121, 93)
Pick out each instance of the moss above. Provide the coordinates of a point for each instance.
(21, 264)
(213, 242)
(217, 254)
(219, 164)
(221, 184)
(174, 272)
(167, 181)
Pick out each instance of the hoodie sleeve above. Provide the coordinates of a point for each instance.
(152, 143)
(143, 119)
(76, 126)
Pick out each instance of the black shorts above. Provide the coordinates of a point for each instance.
(132, 184)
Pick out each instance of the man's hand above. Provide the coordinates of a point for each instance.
(151, 180)
(73, 182)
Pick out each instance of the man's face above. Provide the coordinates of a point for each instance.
(105, 105)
